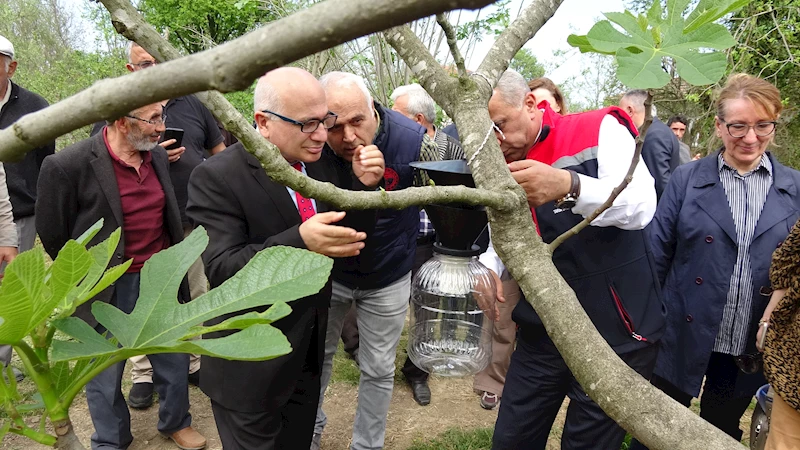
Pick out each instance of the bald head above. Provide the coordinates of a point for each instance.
(297, 96)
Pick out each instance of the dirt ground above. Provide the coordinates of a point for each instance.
(454, 405)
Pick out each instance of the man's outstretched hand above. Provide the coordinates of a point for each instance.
(321, 236)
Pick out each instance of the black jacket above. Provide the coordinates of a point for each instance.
(661, 152)
(245, 211)
(78, 187)
(22, 175)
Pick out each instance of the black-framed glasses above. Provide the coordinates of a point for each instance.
(160, 121)
(144, 64)
(740, 130)
(309, 126)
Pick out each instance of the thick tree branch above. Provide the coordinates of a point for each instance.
(135, 28)
(452, 41)
(231, 66)
(515, 36)
(428, 71)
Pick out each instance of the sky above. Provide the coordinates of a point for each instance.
(574, 16)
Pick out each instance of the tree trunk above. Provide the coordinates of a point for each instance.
(67, 439)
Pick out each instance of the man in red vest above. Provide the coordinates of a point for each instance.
(568, 166)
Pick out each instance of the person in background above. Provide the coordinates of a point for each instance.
(678, 126)
(712, 237)
(121, 176)
(660, 151)
(201, 138)
(20, 177)
(782, 349)
(544, 89)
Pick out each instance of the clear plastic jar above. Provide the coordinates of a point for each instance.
(453, 307)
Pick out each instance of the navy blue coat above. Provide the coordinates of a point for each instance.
(694, 245)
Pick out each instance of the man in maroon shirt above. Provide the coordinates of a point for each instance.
(121, 176)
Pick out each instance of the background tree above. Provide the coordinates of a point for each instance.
(649, 414)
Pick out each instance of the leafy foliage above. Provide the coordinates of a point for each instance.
(36, 299)
(527, 65)
(647, 43)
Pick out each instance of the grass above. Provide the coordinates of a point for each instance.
(457, 439)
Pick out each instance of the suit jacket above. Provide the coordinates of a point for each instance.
(244, 211)
(77, 187)
(694, 244)
(661, 153)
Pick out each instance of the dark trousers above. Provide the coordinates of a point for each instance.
(536, 384)
(110, 415)
(718, 405)
(424, 253)
(291, 425)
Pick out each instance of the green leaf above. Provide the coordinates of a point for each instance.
(710, 36)
(20, 294)
(158, 322)
(675, 9)
(654, 14)
(641, 70)
(91, 343)
(275, 312)
(91, 232)
(707, 11)
(582, 44)
(38, 403)
(605, 38)
(101, 255)
(700, 68)
(69, 268)
(4, 429)
(629, 22)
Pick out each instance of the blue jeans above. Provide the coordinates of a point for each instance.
(381, 316)
(110, 415)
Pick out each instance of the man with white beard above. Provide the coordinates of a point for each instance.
(122, 176)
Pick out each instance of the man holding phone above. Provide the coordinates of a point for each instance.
(197, 137)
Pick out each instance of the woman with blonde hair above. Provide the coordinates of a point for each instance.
(713, 235)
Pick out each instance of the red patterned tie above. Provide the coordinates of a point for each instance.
(304, 205)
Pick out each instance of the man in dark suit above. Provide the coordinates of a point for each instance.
(121, 176)
(272, 404)
(661, 151)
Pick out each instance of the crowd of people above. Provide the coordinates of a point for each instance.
(678, 275)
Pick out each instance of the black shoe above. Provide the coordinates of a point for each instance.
(18, 375)
(194, 378)
(421, 392)
(141, 396)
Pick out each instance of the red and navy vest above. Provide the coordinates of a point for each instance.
(611, 270)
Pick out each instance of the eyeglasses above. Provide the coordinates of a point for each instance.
(311, 125)
(160, 121)
(740, 130)
(145, 64)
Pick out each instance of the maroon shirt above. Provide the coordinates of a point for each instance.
(143, 204)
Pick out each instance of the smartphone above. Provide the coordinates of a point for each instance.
(173, 133)
(762, 339)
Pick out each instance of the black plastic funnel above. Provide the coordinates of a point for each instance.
(457, 225)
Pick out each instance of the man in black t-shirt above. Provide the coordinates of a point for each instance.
(201, 139)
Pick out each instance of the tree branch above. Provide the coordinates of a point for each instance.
(231, 66)
(430, 73)
(515, 36)
(452, 41)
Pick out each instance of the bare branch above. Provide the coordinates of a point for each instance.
(430, 73)
(452, 41)
(229, 67)
(515, 36)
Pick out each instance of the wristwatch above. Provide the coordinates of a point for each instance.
(568, 201)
